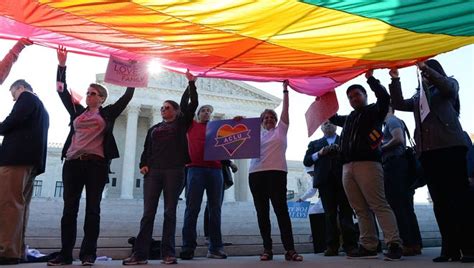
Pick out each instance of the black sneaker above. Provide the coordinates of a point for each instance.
(186, 254)
(219, 254)
(134, 260)
(362, 253)
(60, 261)
(88, 260)
(394, 252)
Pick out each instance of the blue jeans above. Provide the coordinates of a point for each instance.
(170, 182)
(397, 183)
(198, 180)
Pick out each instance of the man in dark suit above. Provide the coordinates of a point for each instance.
(323, 154)
(22, 158)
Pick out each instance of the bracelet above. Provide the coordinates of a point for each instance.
(285, 91)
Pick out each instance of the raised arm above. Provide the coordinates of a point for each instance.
(285, 117)
(395, 87)
(7, 62)
(448, 87)
(61, 85)
(189, 100)
(383, 98)
(117, 108)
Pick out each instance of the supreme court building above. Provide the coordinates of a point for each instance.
(229, 99)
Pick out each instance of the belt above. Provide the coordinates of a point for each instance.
(85, 157)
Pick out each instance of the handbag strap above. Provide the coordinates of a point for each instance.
(410, 140)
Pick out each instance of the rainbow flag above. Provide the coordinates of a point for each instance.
(317, 45)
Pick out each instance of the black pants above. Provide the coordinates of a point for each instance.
(318, 231)
(269, 186)
(400, 198)
(336, 206)
(77, 174)
(168, 181)
(446, 176)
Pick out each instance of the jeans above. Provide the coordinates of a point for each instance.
(400, 198)
(206, 216)
(169, 181)
(77, 174)
(198, 180)
(269, 186)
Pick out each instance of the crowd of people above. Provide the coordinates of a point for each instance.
(363, 172)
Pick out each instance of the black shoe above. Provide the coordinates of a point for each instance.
(219, 254)
(394, 252)
(362, 253)
(186, 254)
(351, 251)
(88, 260)
(379, 247)
(9, 261)
(330, 252)
(134, 260)
(467, 259)
(444, 258)
(60, 261)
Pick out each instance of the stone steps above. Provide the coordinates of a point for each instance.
(120, 220)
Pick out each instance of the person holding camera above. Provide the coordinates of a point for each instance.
(324, 155)
(398, 181)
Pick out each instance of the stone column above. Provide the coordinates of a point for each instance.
(128, 168)
(155, 116)
(241, 181)
(229, 194)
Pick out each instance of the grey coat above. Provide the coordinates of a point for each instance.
(441, 128)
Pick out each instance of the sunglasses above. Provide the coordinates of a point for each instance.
(92, 94)
(165, 108)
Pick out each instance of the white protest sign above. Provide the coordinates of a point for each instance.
(423, 102)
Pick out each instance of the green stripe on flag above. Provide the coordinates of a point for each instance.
(454, 18)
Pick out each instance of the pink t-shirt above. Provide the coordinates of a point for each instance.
(273, 145)
(88, 137)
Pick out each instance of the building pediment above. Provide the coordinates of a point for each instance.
(173, 84)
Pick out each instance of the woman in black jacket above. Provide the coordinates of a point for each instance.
(441, 148)
(89, 148)
(162, 163)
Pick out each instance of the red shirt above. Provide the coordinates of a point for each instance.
(196, 142)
